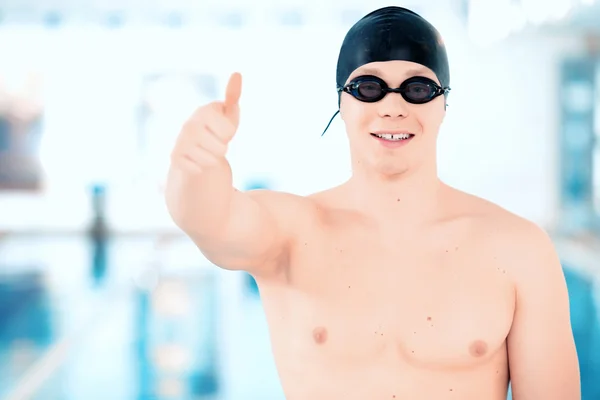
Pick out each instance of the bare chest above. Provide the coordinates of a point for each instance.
(352, 299)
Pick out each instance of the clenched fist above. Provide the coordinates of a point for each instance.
(203, 140)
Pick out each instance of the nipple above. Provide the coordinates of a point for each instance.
(320, 335)
(478, 348)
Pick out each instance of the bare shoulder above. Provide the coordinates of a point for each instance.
(525, 248)
(276, 201)
(290, 210)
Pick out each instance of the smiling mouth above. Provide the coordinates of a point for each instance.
(393, 136)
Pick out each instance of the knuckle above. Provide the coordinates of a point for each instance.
(188, 128)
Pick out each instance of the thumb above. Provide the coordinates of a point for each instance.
(232, 98)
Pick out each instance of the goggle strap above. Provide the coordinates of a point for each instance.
(330, 121)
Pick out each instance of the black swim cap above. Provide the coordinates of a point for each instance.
(388, 34)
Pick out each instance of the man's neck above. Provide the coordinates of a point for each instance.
(411, 199)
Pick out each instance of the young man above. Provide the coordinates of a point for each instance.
(392, 285)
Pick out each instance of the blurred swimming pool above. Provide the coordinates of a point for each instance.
(79, 321)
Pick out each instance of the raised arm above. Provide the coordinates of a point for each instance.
(234, 230)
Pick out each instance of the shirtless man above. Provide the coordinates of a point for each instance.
(392, 285)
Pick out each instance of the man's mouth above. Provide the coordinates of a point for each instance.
(393, 136)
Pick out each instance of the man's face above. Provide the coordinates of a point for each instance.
(392, 113)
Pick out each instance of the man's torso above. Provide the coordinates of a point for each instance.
(360, 313)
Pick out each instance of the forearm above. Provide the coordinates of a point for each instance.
(200, 204)
(230, 228)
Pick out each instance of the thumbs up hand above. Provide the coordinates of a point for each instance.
(204, 138)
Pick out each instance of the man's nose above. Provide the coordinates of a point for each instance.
(393, 105)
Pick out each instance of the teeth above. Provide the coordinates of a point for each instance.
(390, 136)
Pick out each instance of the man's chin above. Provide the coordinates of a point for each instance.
(388, 169)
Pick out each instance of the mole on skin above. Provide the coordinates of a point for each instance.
(478, 348)
(320, 335)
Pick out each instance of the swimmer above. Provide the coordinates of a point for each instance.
(392, 285)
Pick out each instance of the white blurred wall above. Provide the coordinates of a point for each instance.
(499, 139)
